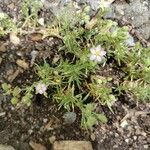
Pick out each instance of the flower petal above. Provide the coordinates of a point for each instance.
(98, 58)
(92, 50)
(102, 53)
(40, 91)
(98, 47)
(92, 57)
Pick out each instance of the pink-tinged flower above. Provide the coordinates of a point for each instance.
(41, 88)
(97, 54)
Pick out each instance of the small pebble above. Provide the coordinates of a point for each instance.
(14, 39)
(2, 114)
(1, 60)
(19, 53)
(45, 120)
(93, 137)
(2, 48)
(115, 146)
(124, 124)
(143, 133)
(145, 146)
(30, 131)
(22, 64)
(130, 41)
(135, 137)
(41, 21)
(116, 135)
(127, 140)
(69, 117)
(52, 139)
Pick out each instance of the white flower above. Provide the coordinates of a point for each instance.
(97, 54)
(41, 88)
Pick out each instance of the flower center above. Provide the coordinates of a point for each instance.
(97, 53)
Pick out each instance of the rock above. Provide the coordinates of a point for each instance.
(12, 77)
(72, 145)
(127, 140)
(11, 6)
(52, 139)
(69, 117)
(22, 64)
(37, 146)
(2, 48)
(2, 114)
(5, 147)
(137, 12)
(33, 54)
(145, 146)
(93, 137)
(14, 39)
(23, 146)
(45, 120)
(1, 60)
(41, 21)
(135, 137)
(124, 124)
(35, 37)
(130, 41)
(144, 30)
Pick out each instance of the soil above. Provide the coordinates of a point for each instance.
(128, 126)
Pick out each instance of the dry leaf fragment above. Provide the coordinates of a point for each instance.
(14, 39)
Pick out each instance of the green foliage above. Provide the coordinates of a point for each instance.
(74, 78)
(30, 7)
(30, 11)
(66, 98)
(72, 73)
(7, 88)
(90, 118)
(16, 94)
(101, 91)
(6, 24)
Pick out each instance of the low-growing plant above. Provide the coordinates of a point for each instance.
(101, 91)
(90, 117)
(30, 11)
(88, 44)
(6, 24)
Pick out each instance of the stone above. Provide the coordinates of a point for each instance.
(127, 140)
(22, 64)
(137, 12)
(93, 137)
(124, 124)
(5, 147)
(14, 38)
(2, 114)
(37, 146)
(11, 6)
(145, 146)
(2, 48)
(130, 41)
(1, 60)
(72, 145)
(69, 117)
(12, 77)
(52, 139)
